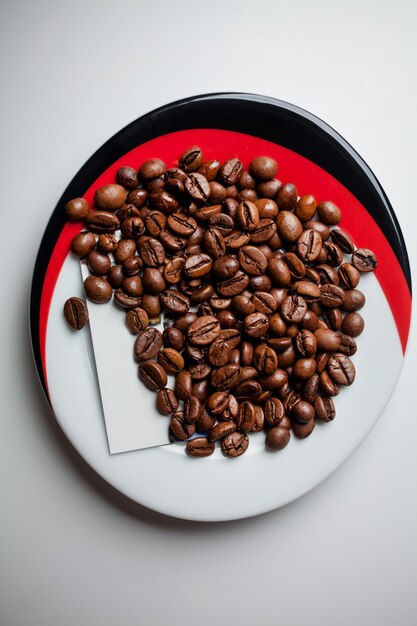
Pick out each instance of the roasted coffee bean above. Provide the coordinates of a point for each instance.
(293, 309)
(265, 230)
(247, 216)
(349, 276)
(197, 187)
(182, 225)
(353, 300)
(127, 177)
(302, 431)
(191, 159)
(279, 272)
(322, 229)
(199, 447)
(218, 193)
(334, 254)
(199, 371)
(151, 305)
(155, 222)
(183, 385)
(107, 243)
(116, 276)
(125, 300)
(341, 369)
(132, 286)
(263, 168)
(234, 444)
(205, 422)
(324, 409)
(226, 377)
(275, 380)
(203, 330)
(233, 286)
(137, 320)
(327, 340)
(306, 343)
(265, 359)
(210, 169)
(252, 261)
(173, 338)
(256, 325)
(152, 168)
(76, 313)
(219, 353)
(220, 430)
(174, 302)
(173, 270)
(274, 411)
(353, 324)
(307, 290)
(305, 208)
(218, 402)
(329, 213)
(226, 318)
(151, 251)
(327, 386)
(102, 222)
(97, 289)
(181, 429)
(225, 267)
(214, 243)
(83, 243)
(77, 209)
(343, 240)
(289, 227)
(231, 171)
(137, 197)
(364, 260)
(310, 388)
(246, 417)
(223, 223)
(333, 318)
(166, 401)
(236, 239)
(309, 244)
(277, 438)
(197, 265)
(98, 263)
(110, 197)
(192, 409)
(147, 344)
(303, 412)
(152, 375)
(287, 197)
(171, 360)
(332, 296)
(201, 389)
(132, 227)
(295, 265)
(268, 189)
(303, 369)
(264, 302)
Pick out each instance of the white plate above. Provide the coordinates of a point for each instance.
(214, 488)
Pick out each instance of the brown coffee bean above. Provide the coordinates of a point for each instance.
(252, 261)
(293, 309)
(305, 208)
(171, 360)
(151, 305)
(234, 444)
(324, 409)
(226, 377)
(219, 353)
(210, 169)
(277, 438)
(101, 222)
(205, 422)
(83, 243)
(236, 239)
(233, 286)
(304, 368)
(246, 417)
(77, 209)
(180, 428)
(287, 197)
(327, 386)
(256, 324)
(274, 411)
(341, 369)
(295, 265)
(289, 226)
(107, 243)
(353, 300)
(151, 251)
(152, 375)
(127, 177)
(98, 263)
(116, 276)
(247, 216)
(349, 276)
(303, 412)
(218, 402)
(329, 213)
(192, 409)
(332, 296)
(137, 320)
(203, 330)
(220, 430)
(166, 401)
(199, 447)
(231, 171)
(155, 222)
(174, 302)
(183, 385)
(147, 344)
(191, 159)
(327, 340)
(97, 289)
(173, 338)
(152, 168)
(310, 388)
(309, 245)
(364, 260)
(265, 359)
(263, 168)
(306, 343)
(76, 313)
(197, 187)
(110, 197)
(275, 380)
(197, 265)
(137, 197)
(302, 431)
(353, 324)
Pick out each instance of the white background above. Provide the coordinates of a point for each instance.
(73, 551)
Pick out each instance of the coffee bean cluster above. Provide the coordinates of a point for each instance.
(257, 285)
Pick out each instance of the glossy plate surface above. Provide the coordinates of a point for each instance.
(318, 161)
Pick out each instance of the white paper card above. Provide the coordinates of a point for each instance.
(132, 420)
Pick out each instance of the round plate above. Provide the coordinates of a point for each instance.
(318, 161)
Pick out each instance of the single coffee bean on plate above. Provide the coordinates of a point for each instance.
(166, 401)
(152, 375)
(76, 313)
(234, 444)
(200, 447)
(147, 344)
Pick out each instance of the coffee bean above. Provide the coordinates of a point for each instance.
(181, 429)
(83, 243)
(97, 289)
(327, 386)
(277, 438)
(329, 213)
(252, 261)
(231, 171)
(287, 197)
(98, 263)
(341, 369)
(77, 209)
(353, 324)
(110, 197)
(152, 168)
(226, 377)
(151, 305)
(303, 412)
(199, 447)
(127, 177)
(302, 431)
(183, 385)
(305, 208)
(306, 343)
(349, 276)
(353, 300)
(263, 168)
(220, 430)
(125, 300)
(256, 324)
(138, 198)
(309, 245)
(197, 187)
(173, 338)
(116, 276)
(171, 360)
(310, 388)
(327, 340)
(234, 444)
(210, 169)
(364, 260)
(214, 243)
(152, 375)
(166, 401)
(192, 409)
(324, 409)
(137, 320)
(191, 159)
(293, 309)
(173, 301)
(219, 353)
(332, 296)
(205, 422)
(107, 243)
(76, 313)
(203, 330)
(247, 216)
(102, 222)
(147, 344)
(233, 286)
(274, 411)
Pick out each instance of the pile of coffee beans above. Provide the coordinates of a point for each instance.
(257, 287)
